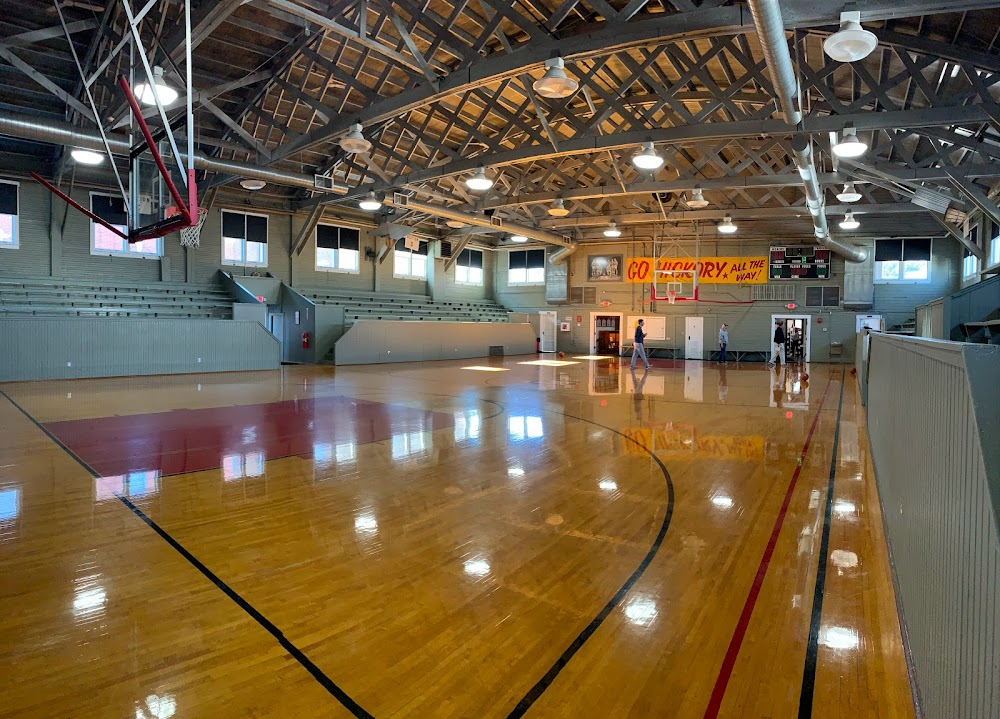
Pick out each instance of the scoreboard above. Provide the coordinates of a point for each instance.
(799, 263)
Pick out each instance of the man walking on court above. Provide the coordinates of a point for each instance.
(637, 346)
(779, 344)
(723, 341)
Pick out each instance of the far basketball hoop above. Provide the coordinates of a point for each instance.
(674, 285)
(672, 296)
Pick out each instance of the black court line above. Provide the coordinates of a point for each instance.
(812, 649)
(542, 684)
(356, 709)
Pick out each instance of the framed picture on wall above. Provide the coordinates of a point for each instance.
(604, 268)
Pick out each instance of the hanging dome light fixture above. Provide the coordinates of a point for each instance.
(647, 159)
(86, 157)
(849, 223)
(354, 143)
(555, 84)
(697, 201)
(849, 194)
(518, 239)
(144, 91)
(558, 208)
(852, 42)
(478, 180)
(370, 203)
(612, 230)
(252, 184)
(727, 227)
(849, 145)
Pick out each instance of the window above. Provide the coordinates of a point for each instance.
(902, 260)
(105, 242)
(411, 264)
(337, 248)
(820, 296)
(995, 245)
(8, 214)
(970, 263)
(244, 239)
(469, 267)
(526, 267)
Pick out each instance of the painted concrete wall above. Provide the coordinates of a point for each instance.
(373, 342)
(57, 348)
(749, 325)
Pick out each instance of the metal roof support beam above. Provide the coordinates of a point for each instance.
(958, 236)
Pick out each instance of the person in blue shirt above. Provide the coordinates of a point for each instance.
(723, 341)
(637, 346)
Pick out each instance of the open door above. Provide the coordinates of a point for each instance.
(547, 330)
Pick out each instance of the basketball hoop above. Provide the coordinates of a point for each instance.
(671, 296)
(191, 236)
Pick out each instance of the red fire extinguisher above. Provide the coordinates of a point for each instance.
(305, 340)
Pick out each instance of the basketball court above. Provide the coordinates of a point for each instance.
(436, 540)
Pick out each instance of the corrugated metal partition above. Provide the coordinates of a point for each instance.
(934, 425)
(57, 348)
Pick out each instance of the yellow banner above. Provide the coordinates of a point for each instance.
(676, 444)
(711, 270)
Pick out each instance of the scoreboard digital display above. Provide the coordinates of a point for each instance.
(799, 263)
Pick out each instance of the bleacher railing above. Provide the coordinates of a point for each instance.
(934, 425)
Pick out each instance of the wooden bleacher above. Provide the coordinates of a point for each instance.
(417, 308)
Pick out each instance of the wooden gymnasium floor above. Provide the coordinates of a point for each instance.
(428, 540)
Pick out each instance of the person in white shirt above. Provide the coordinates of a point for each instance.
(723, 341)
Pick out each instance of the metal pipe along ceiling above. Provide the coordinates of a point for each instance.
(771, 32)
(61, 133)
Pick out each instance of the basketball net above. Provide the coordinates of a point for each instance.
(671, 296)
(191, 236)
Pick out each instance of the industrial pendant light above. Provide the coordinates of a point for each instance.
(849, 223)
(354, 143)
(558, 209)
(697, 201)
(612, 231)
(849, 145)
(251, 184)
(647, 159)
(86, 157)
(145, 92)
(849, 194)
(478, 180)
(555, 83)
(518, 239)
(727, 227)
(370, 203)
(852, 42)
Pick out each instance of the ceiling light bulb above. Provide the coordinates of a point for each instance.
(519, 239)
(727, 227)
(478, 180)
(370, 203)
(555, 83)
(145, 92)
(849, 223)
(850, 145)
(558, 209)
(86, 157)
(252, 185)
(849, 194)
(354, 143)
(697, 200)
(852, 42)
(647, 159)
(612, 231)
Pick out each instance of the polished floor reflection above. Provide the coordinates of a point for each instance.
(488, 539)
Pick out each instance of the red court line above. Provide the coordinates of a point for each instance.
(726, 671)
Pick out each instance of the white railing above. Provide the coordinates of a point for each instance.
(934, 425)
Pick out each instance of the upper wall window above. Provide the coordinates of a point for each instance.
(469, 267)
(526, 267)
(903, 260)
(105, 242)
(337, 248)
(994, 244)
(8, 214)
(410, 264)
(970, 263)
(244, 239)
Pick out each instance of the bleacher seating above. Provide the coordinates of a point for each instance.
(47, 297)
(367, 306)
(986, 331)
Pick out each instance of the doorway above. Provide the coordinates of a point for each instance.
(694, 333)
(547, 326)
(606, 333)
(797, 339)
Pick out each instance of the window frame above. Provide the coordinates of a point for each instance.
(527, 282)
(15, 218)
(336, 268)
(971, 265)
(396, 253)
(94, 251)
(901, 280)
(470, 267)
(243, 240)
(993, 260)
